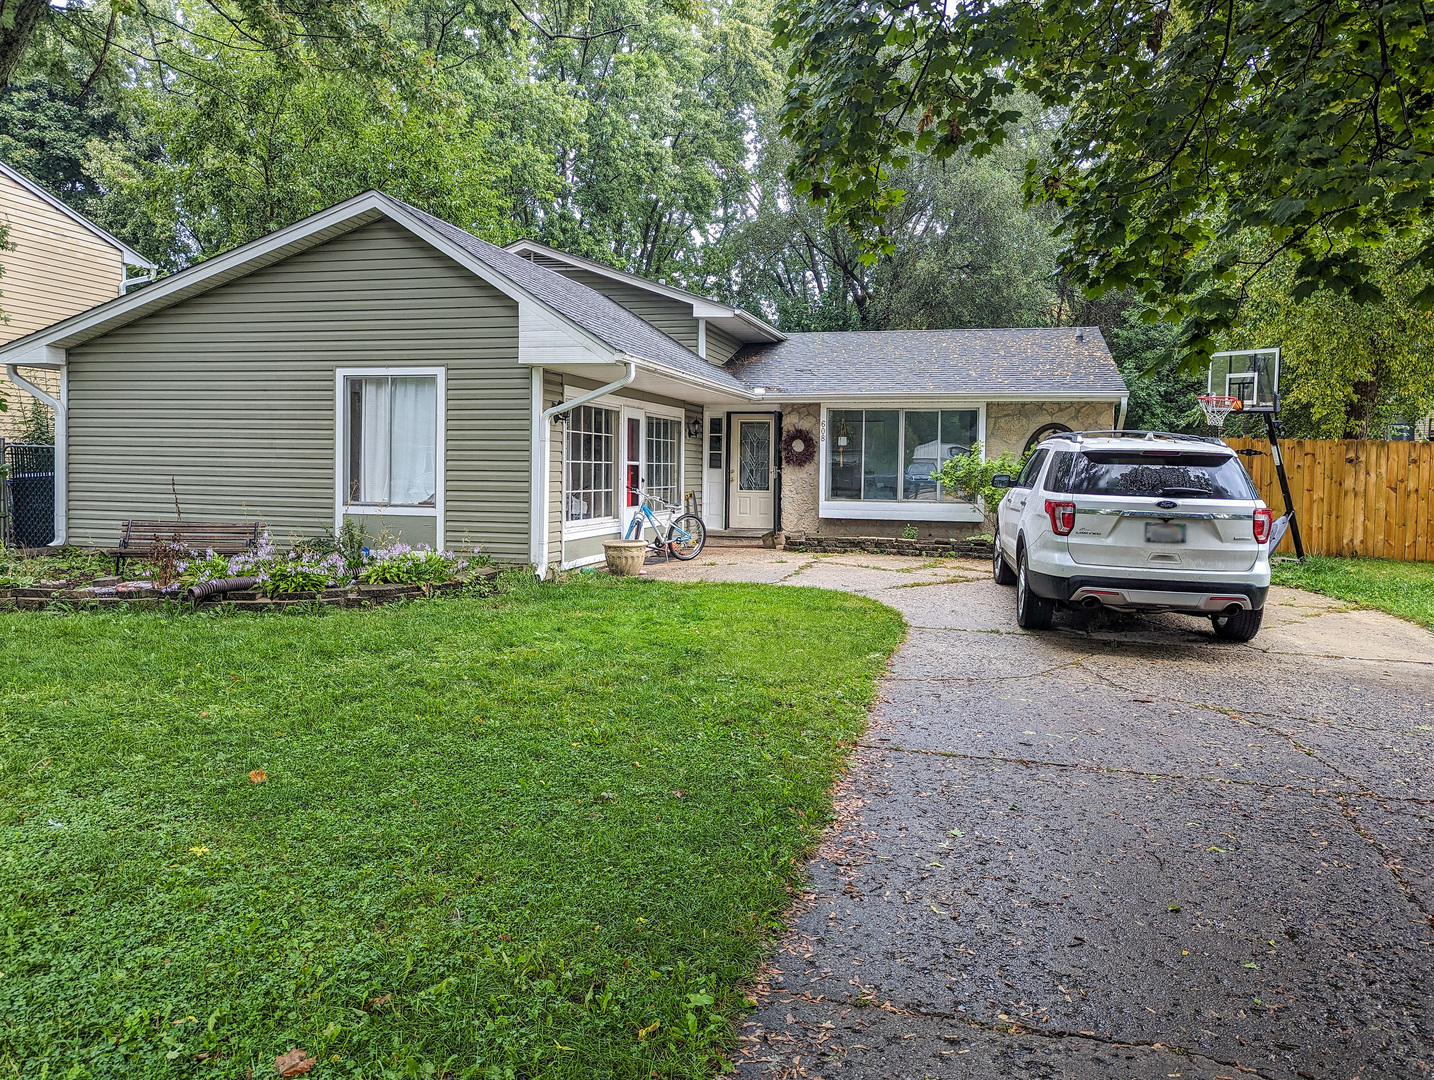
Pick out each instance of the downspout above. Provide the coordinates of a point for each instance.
(1120, 423)
(61, 439)
(545, 442)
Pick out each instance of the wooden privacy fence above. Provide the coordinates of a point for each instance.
(1352, 496)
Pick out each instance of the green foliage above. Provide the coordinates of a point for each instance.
(1405, 589)
(1162, 395)
(303, 572)
(257, 144)
(963, 251)
(968, 476)
(1194, 140)
(66, 564)
(467, 806)
(401, 565)
(1348, 369)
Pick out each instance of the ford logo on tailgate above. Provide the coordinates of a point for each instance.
(1166, 504)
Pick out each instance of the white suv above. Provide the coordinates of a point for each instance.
(1138, 521)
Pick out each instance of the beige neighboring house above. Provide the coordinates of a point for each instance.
(57, 263)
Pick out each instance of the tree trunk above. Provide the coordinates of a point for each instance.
(18, 21)
(1360, 412)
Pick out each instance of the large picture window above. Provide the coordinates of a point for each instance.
(392, 437)
(888, 455)
(592, 464)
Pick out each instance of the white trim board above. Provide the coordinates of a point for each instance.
(342, 508)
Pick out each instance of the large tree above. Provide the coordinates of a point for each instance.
(964, 251)
(1189, 128)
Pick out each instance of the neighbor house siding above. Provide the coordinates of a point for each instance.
(229, 396)
(672, 317)
(57, 268)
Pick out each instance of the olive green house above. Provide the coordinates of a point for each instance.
(375, 362)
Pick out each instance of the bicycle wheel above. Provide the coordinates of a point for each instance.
(686, 536)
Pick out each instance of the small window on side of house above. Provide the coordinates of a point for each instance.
(392, 427)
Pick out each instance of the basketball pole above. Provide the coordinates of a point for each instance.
(1270, 424)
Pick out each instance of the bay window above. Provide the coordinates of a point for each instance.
(888, 455)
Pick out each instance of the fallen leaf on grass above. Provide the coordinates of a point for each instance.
(380, 1002)
(257, 776)
(645, 1032)
(295, 1063)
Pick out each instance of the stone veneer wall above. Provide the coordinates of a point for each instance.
(1010, 423)
(1008, 426)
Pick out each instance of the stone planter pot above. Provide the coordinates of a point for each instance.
(624, 557)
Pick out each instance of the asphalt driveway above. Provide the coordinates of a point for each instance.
(1118, 849)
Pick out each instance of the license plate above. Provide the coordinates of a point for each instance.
(1164, 532)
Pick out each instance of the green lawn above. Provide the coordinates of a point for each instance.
(1400, 588)
(556, 826)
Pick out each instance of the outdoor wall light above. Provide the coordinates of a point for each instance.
(694, 429)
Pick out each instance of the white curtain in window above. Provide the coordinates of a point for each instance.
(374, 448)
(413, 441)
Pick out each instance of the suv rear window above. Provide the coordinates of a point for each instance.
(1159, 474)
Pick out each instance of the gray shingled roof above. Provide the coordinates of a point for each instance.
(606, 319)
(933, 362)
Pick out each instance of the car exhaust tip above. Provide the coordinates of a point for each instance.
(1091, 601)
(1233, 609)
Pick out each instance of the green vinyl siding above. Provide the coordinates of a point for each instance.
(672, 317)
(227, 399)
(692, 457)
(721, 346)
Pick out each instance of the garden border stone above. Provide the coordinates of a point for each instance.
(952, 548)
(43, 597)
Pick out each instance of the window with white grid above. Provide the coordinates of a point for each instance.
(591, 464)
(662, 458)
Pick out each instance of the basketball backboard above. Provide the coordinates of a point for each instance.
(1250, 375)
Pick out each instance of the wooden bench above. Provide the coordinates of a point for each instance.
(140, 538)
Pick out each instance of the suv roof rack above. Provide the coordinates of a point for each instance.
(1081, 436)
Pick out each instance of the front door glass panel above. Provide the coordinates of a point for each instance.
(754, 456)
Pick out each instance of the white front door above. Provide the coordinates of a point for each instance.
(633, 471)
(751, 477)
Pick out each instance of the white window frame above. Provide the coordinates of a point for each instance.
(612, 526)
(342, 507)
(896, 510)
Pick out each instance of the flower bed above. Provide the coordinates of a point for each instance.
(328, 574)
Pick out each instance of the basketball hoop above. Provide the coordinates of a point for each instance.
(1217, 407)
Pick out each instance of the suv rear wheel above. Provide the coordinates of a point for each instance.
(1032, 612)
(1240, 627)
(1000, 569)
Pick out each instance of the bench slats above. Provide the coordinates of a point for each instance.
(224, 538)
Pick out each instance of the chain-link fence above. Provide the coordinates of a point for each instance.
(29, 510)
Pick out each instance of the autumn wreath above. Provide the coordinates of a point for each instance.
(799, 446)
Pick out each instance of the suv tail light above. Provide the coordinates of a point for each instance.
(1264, 521)
(1062, 515)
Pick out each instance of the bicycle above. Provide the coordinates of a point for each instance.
(686, 535)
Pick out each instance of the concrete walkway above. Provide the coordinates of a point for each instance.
(1117, 849)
